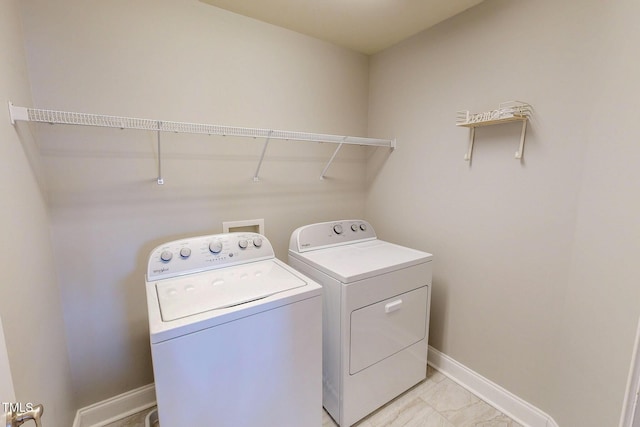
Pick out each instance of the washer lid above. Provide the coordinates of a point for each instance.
(222, 288)
(358, 261)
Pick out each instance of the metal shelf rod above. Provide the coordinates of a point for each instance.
(256, 176)
(160, 178)
(326, 168)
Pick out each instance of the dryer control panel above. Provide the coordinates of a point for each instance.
(327, 234)
(203, 253)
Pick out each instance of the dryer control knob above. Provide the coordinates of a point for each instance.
(363, 227)
(257, 242)
(354, 227)
(243, 244)
(337, 228)
(215, 247)
(185, 252)
(166, 256)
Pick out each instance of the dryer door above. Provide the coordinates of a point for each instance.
(387, 327)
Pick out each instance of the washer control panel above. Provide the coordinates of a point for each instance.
(203, 253)
(326, 234)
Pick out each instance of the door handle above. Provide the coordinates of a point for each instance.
(393, 306)
(16, 418)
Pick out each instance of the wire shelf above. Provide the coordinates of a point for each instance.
(85, 119)
(98, 120)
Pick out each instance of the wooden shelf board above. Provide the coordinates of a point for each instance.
(494, 122)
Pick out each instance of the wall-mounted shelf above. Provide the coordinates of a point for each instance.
(85, 119)
(507, 112)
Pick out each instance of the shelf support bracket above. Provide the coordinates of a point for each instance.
(335, 153)
(472, 136)
(256, 178)
(160, 179)
(17, 113)
(520, 151)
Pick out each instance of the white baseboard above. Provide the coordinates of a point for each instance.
(501, 399)
(129, 403)
(110, 410)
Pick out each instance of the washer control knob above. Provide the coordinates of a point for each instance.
(215, 247)
(166, 256)
(243, 244)
(337, 228)
(185, 252)
(257, 242)
(363, 227)
(354, 227)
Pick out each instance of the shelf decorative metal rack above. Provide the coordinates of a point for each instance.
(159, 126)
(507, 112)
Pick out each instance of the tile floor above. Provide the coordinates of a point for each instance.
(435, 402)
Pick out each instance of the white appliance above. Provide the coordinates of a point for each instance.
(235, 335)
(376, 299)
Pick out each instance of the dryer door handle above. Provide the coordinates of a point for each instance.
(393, 306)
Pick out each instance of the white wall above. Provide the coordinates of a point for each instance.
(182, 61)
(601, 304)
(534, 282)
(29, 295)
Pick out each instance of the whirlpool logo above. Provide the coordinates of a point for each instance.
(161, 270)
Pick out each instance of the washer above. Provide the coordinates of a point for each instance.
(235, 335)
(376, 298)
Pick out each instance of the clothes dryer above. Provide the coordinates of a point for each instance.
(376, 299)
(235, 335)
